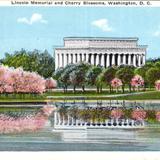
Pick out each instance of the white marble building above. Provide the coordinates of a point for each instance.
(104, 51)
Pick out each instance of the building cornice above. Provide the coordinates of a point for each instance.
(104, 49)
(103, 38)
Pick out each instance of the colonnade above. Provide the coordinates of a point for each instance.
(102, 59)
(70, 121)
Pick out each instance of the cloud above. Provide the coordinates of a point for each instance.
(102, 24)
(35, 18)
(157, 32)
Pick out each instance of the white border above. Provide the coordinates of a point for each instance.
(77, 3)
(80, 155)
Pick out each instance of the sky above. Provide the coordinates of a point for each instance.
(44, 27)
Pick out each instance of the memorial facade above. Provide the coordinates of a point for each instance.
(103, 51)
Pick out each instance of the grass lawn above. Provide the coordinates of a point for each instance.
(148, 95)
(144, 96)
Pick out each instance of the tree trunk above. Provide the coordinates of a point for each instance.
(101, 89)
(97, 89)
(123, 88)
(74, 89)
(83, 89)
(129, 88)
(144, 86)
(66, 89)
(110, 89)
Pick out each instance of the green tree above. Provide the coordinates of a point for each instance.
(107, 75)
(40, 62)
(78, 76)
(125, 73)
(142, 72)
(152, 75)
(157, 64)
(92, 75)
(64, 77)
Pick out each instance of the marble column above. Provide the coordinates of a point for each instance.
(129, 59)
(124, 59)
(119, 59)
(56, 60)
(87, 56)
(113, 59)
(108, 61)
(78, 57)
(139, 60)
(92, 59)
(102, 60)
(144, 59)
(60, 60)
(134, 60)
(64, 60)
(74, 58)
(69, 58)
(97, 59)
(82, 57)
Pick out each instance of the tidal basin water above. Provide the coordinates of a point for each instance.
(91, 140)
(48, 139)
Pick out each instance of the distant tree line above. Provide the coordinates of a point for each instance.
(84, 74)
(34, 61)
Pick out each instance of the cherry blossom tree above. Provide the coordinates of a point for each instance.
(137, 81)
(28, 123)
(20, 81)
(158, 116)
(48, 109)
(139, 114)
(116, 83)
(50, 83)
(117, 113)
(157, 85)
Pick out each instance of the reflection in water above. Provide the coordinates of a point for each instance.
(27, 131)
(18, 123)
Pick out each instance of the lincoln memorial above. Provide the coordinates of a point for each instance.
(103, 51)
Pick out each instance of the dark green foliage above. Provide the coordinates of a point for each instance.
(151, 115)
(127, 113)
(36, 61)
(107, 75)
(92, 75)
(125, 73)
(152, 75)
(78, 76)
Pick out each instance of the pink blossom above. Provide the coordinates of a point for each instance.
(50, 83)
(28, 123)
(116, 82)
(20, 81)
(157, 85)
(158, 115)
(47, 109)
(117, 113)
(139, 114)
(137, 81)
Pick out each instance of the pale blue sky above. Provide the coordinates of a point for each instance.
(44, 27)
